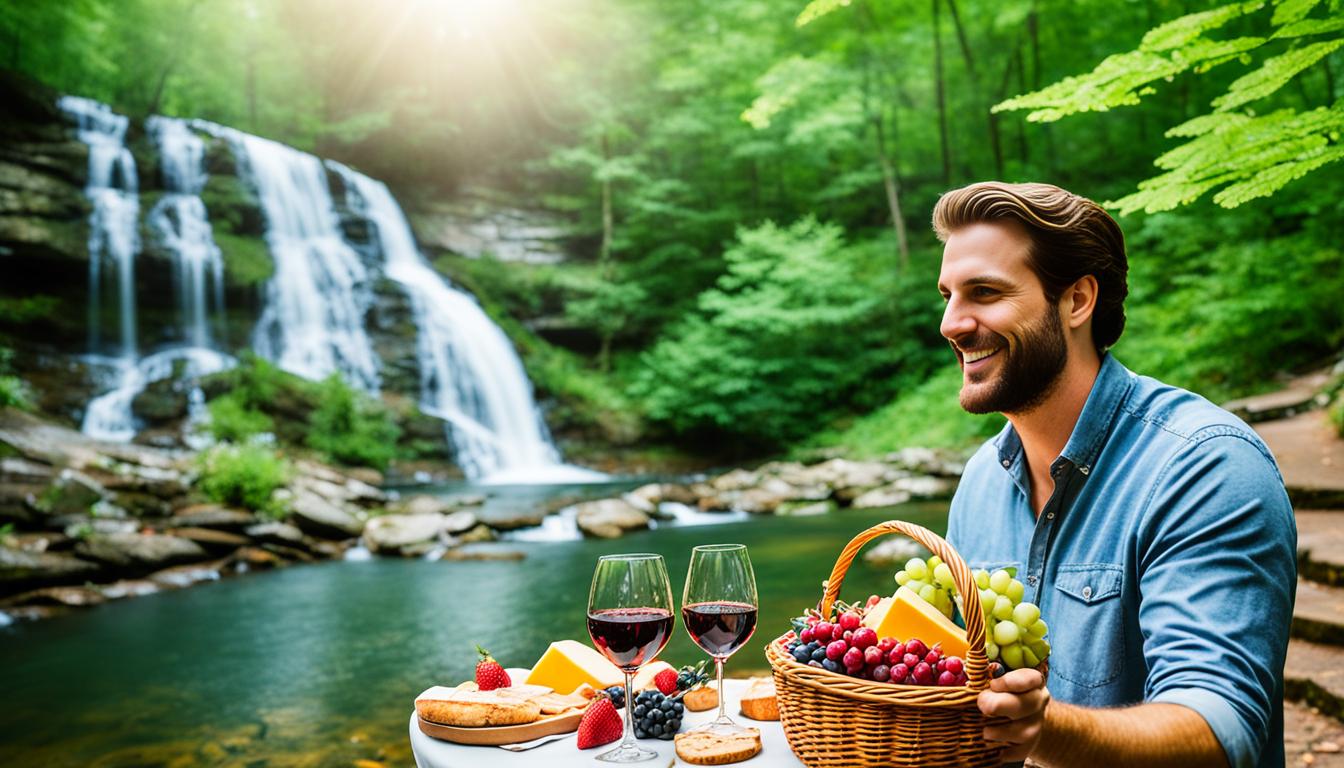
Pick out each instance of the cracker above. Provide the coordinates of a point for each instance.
(704, 748)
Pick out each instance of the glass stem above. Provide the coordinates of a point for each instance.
(718, 673)
(629, 739)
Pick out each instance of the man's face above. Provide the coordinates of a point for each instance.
(1008, 338)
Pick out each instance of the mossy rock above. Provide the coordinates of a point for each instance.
(247, 260)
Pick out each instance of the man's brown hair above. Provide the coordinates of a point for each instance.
(1071, 236)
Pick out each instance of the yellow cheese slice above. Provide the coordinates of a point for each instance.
(905, 616)
(567, 664)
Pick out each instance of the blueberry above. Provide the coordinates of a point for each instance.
(673, 724)
(831, 665)
(666, 706)
(640, 734)
(819, 654)
(640, 710)
(677, 707)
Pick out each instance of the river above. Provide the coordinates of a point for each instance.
(319, 664)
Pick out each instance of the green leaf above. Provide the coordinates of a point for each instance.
(1308, 27)
(1274, 178)
(1182, 30)
(1288, 11)
(818, 8)
(1273, 74)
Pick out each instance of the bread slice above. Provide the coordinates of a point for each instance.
(700, 699)
(759, 702)
(474, 708)
(704, 748)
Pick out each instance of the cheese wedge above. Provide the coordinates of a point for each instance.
(644, 677)
(567, 664)
(905, 615)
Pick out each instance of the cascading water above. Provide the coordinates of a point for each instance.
(470, 375)
(313, 322)
(179, 221)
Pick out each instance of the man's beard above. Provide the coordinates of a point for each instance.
(1029, 371)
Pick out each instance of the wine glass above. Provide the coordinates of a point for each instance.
(630, 620)
(719, 611)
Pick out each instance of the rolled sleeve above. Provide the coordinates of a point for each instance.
(1217, 581)
(1240, 745)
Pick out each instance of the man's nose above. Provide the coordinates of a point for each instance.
(956, 321)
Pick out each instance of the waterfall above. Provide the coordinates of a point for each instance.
(113, 189)
(179, 221)
(313, 321)
(470, 375)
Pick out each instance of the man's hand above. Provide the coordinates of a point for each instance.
(1020, 696)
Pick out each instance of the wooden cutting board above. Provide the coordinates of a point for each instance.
(503, 734)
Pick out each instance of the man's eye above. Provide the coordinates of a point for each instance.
(981, 291)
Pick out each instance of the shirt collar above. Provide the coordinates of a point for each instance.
(1094, 423)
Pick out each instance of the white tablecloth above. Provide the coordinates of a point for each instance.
(432, 753)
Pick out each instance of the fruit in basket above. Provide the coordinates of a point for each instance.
(931, 580)
(600, 724)
(489, 674)
(907, 615)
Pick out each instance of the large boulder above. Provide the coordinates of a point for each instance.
(886, 496)
(609, 518)
(927, 461)
(139, 551)
(73, 493)
(323, 518)
(21, 570)
(392, 533)
(275, 533)
(736, 480)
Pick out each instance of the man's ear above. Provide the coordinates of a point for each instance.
(1080, 301)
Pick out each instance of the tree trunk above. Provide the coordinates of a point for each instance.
(942, 102)
(1033, 28)
(991, 118)
(893, 188)
(604, 252)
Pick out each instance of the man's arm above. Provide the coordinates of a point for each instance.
(1059, 734)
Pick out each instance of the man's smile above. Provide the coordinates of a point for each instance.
(971, 358)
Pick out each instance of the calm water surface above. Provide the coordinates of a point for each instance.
(319, 664)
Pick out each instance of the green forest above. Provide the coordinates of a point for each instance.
(746, 184)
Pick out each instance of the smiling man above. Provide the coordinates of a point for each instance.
(1150, 526)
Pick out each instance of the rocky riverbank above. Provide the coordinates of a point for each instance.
(85, 522)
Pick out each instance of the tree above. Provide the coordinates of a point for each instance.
(1248, 153)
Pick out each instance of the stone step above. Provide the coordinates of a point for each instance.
(1314, 674)
(1320, 546)
(1319, 613)
(1310, 454)
(1311, 738)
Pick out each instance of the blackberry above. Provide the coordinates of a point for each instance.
(617, 695)
(656, 716)
(689, 677)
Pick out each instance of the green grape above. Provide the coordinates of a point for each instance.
(1040, 648)
(1015, 591)
(991, 650)
(981, 579)
(943, 575)
(1006, 633)
(1003, 608)
(933, 562)
(998, 581)
(928, 593)
(1029, 659)
(1038, 629)
(917, 568)
(987, 600)
(902, 578)
(1011, 656)
(1026, 614)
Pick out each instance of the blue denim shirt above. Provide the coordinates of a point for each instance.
(1164, 562)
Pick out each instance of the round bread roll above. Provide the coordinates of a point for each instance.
(475, 709)
(704, 748)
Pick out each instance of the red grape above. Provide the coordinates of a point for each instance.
(849, 620)
(910, 660)
(836, 649)
(933, 656)
(954, 665)
(865, 638)
(872, 655)
(916, 647)
(899, 672)
(881, 673)
(886, 644)
(947, 678)
(821, 631)
(922, 673)
(853, 658)
(806, 635)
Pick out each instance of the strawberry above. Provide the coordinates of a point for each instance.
(489, 674)
(666, 681)
(600, 724)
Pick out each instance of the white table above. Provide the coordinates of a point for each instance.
(563, 753)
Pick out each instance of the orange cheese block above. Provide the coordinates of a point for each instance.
(905, 615)
(567, 664)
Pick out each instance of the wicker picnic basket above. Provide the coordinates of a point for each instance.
(835, 721)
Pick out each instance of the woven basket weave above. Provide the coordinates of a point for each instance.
(835, 721)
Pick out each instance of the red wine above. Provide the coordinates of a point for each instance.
(719, 628)
(630, 637)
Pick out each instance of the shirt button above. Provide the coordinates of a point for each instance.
(1007, 463)
(1031, 580)
(1084, 469)
(1087, 593)
(1049, 515)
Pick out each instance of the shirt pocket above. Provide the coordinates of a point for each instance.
(1087, 624)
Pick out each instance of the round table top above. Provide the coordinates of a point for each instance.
(563, 753)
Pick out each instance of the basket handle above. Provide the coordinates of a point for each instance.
(977, 665)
